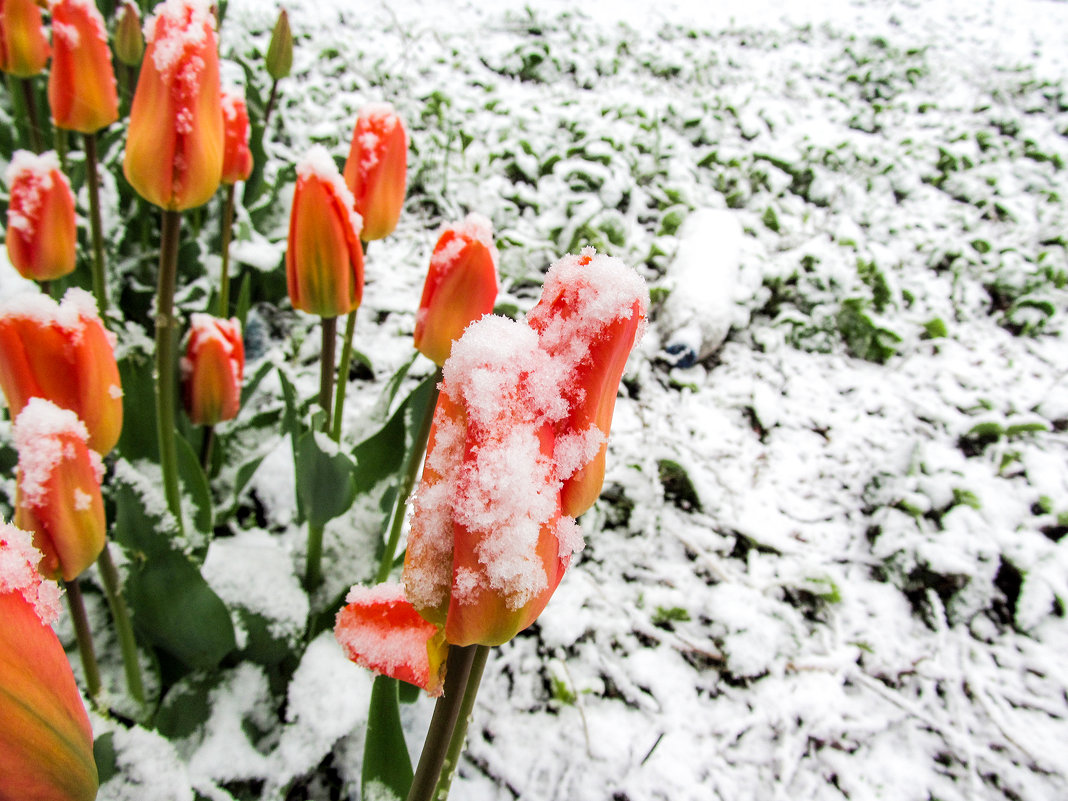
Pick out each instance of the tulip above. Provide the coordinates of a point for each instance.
(487, 546)
(460, 287)
(46, 743)
(280, 50)
(324, 260)
(376, 169)
(41, 228)
(63, 353)
(81, 83)
(174, 148)
(129, 40)
(380, 630)
(592, 310)
(23, 42)
(237, 158)
(57, 494)
(212, 370)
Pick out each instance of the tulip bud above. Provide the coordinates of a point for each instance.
(280, 50)
(23, 42)
(46, 743)
(376, 169)
(41, 228)
(213, 369)
(237, 158)
(57, 494)
(487, 546)
(592, 311)
(380, 630)
(324, 260)
(81, 83)
(63, 353)
(460, 287)
(174, 147)
(129, 40)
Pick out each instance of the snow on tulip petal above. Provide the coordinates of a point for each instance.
(212, 369)
(377, 169)
(42, 232)
(57, 493)
(380, 630)
(63, 353)
(46, 743)
(237, 158)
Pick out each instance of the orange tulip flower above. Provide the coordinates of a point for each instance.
(460, 287)
(488, 546)
(213, 369)
(237, 158)
(591, 312)
(57, 494)
(377, 169)
(380, 630)
(24, 46)
(174, 148)
(324, 260)
(81, 83)
(41, 226)
(63, 353)
(46, 743)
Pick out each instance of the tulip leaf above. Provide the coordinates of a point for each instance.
(291, 426)
(173, 606)
(138, 439)
(244, 301)
(252, 383)
(393, 386)
(104, 756)
(385, 754)
(381, 455)
(195, 483)
(325, 480)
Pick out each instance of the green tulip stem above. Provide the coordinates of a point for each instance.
(448, 725)
(36, 140)
(411, 470)
(84, 636)
(227, 235)
(313, 574)
(343, 368)
(270, 104)
(206, 448)
(166, 389)
(121, 615)
(326, 367)
(60, 140)
(99, 285)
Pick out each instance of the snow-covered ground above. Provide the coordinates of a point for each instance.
(829, 561)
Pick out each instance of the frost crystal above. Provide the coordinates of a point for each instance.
(18, 573)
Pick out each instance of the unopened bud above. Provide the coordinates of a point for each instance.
(280, 51)
(129, 40)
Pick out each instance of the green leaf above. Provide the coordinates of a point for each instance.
(104, 756)
(173, 607)
(252, 383)
(195, 483)
(291, 426)
(139, 438)
(244, 300)
(385, 754)
(393, 386)
(325, 481)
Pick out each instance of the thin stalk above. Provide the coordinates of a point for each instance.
(206, 449)
(85, 638)
(99, 284)
(59, 136)
(411, 470)
(121, 615)
(313, 574)
(326, 367)
(343, 374)
(270, 104)
(36, 141)
(227, 235)
(443, 723)
(459, 733)
(165, 378)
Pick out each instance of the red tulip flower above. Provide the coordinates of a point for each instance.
(63, 353)
(46, 743)
(57, 495)
(324, 260)
(377, 169)
(591, 312)
(380, 630)
(81, 83)
(237, 158)
(24, 46)
(213, 369)
(461, 286)
(174, 148)
(41, 228)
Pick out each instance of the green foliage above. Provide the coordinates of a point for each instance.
(862, 336)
